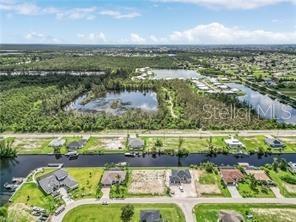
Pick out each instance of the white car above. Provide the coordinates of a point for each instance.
(105, 202)
(181, 188)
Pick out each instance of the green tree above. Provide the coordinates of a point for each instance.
(127, 212)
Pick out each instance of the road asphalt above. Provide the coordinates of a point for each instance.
(186, 204)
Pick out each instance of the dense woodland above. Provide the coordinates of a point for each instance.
(36, 103)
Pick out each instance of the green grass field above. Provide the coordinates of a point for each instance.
(213, 178)
(31, 195)
(112, 212)
(276, 177)
(88, 179)
(261, 191)
(261, 212)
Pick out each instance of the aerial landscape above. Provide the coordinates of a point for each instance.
(109, 114)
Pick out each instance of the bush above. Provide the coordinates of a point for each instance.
(289, 179)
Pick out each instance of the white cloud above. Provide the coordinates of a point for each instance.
(136, 39)
(119, 15)
(232, 4)
(216, 33)
(35, 37)
(77, 13)
(92, 38)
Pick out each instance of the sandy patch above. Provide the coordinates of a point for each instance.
(291, 188)
(148, 182)
(20, 212)
(113, 143)
(28, 143)
(204, 189)
(276, 215)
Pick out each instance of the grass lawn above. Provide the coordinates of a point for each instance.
(88, 179)
(261, 212)
(192, 144)
(112, 212)
(288, 91)
(93, 145)
(276, 177)
(245, 190)
(213, 178)
(30, 194)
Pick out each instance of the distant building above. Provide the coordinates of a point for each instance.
(52, 182)
(135, 143)
(73, 146)
(292, 167)
(180, 176)
(234, 143)
(57, 142)
(111, 177)
(150, 216)
(231, 176)
(274, 143)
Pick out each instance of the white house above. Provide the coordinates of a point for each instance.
(234, 143)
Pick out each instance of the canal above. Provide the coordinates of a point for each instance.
(24, 164)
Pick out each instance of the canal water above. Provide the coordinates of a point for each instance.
(24, 164)
(265, 106)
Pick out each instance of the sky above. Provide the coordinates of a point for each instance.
(148, 21)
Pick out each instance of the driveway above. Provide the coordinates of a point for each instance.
(233, 191)
(276, 192)
(106, 192)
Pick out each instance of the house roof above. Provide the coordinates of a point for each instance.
(258, 174)
(135, 143)
(76, 144)
(112, 176)
(179, 175)
(150, 216)
(273, 141)
(57, 142)
(231, 175)
(50, 183)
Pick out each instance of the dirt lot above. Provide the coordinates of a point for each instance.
(30, 143)
(20, 212)
(275, 215)
(113, 143)
(148, 182)
(290, 187)
(204, 189)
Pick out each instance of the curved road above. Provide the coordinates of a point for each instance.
(186, 204)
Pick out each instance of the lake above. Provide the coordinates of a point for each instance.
(117, 102)
(265, 106)
(174, 74)
(24, 164)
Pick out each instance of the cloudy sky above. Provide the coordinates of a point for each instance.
(148, 21)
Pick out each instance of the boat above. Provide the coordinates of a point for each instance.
(10, 186)
(130, 154)
(122, 164)
(55, 165)
(72, 154)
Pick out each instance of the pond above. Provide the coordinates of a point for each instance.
(174, 74)
(265, 106)
(117, 102)
(24, 164)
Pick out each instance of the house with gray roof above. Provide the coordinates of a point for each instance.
(57, 142)
(179, 176)
(75, 145)
(52, 182)
(274, 143)
(135, 143)
(292, 167)
(111, 177)
(150, 216)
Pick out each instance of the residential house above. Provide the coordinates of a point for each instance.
(111, 177)
(57, 142)
(135, 143)
(52, 182)
(179, 176)
(234, 143)
(259, 175)
(230, 216)
(75, 145)
(274, 143)
(150, 216)
(230, 175)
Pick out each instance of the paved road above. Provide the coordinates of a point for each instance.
(186, 204)
(158, 133)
